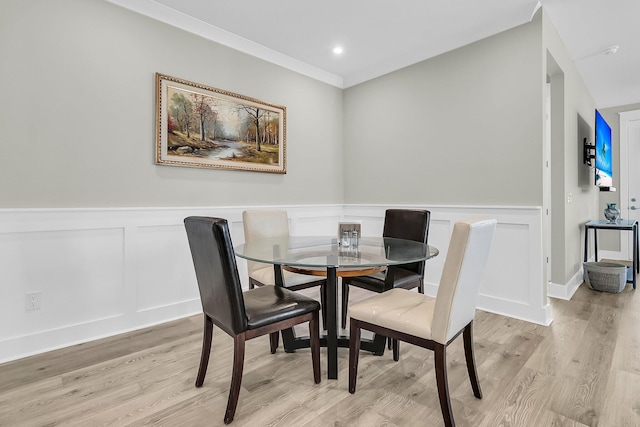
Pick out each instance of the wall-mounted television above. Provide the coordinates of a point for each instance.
(604, 160)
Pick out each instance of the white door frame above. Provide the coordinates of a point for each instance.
(625, 118)
(547, 180)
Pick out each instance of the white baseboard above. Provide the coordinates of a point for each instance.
(54, 339)
(566, 291)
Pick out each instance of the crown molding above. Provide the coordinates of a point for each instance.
(195, 26)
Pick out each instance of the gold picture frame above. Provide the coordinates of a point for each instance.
(205, 127)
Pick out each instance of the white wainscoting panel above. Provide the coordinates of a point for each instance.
(512, 284)
(78, 273)
(164, 259)
(103, 272)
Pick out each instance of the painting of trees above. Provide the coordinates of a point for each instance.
(271, 128)
(203, 109)
(181, 111)
(207, 127)
(261, 126)
(254, 114)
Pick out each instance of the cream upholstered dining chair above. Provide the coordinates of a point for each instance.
(266, 223)
(432, 323)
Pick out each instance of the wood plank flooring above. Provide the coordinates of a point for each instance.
(583, 370)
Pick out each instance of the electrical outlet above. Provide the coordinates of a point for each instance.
(33, 301)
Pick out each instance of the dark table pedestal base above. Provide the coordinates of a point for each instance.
(292, 343)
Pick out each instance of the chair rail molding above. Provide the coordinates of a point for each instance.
(105, 271)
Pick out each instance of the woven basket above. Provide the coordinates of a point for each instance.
(605, 276)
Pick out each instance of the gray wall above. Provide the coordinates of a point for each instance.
(467, 128)
(461, 128)
(78, 82)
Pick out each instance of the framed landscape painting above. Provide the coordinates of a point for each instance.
(205, 127)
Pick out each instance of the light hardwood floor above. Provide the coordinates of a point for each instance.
(583, 370)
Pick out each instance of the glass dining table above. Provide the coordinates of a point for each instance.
(321, 255)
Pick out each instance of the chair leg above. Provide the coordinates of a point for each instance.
(314, 336)
(345, 303)
(354, 353)
(206, 350)
(440, 356)
(396, 350)
(467, 336)
(389, 343)
(274, 341)
(236, 377)
(421, 287)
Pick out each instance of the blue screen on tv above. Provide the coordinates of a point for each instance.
(604, 173)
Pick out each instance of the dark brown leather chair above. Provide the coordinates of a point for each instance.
(259, 311)
(400, 224)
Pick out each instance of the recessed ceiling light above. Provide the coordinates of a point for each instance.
(338, 50)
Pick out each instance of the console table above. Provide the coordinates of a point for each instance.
(622, 225)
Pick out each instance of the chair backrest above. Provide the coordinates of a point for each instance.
(217, 273)
(262, 224)
(408, 224)
(457, 295)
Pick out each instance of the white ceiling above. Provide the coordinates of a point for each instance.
(380, 36)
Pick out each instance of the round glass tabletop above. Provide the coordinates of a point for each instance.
(323, 251)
